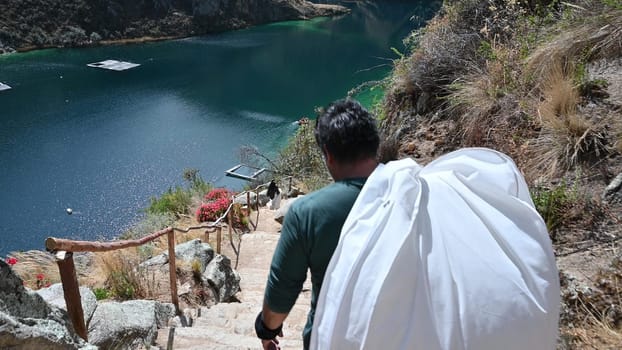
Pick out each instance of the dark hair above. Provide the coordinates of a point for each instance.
(347, 131)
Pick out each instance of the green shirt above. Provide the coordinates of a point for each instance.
(308, 240)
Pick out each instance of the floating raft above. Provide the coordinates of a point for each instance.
(4, 87)
(235, 172)
(113, 65)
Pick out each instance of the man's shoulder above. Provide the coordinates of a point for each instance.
(326, 196)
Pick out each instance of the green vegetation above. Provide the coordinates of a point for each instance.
(178, 201)
(101, 293)
(125, 279)
(302, 159)
(523, 77)
(553, 204)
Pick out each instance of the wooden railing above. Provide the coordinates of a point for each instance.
(63, 250)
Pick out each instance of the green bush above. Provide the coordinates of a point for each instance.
(174, 202)
(553, 203)
(302, 159)
(178, 201)
(101, 293)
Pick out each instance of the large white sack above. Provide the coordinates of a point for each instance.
(450, 256)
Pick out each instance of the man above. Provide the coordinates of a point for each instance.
(348, 139)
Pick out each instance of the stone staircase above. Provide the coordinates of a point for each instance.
(231, 325)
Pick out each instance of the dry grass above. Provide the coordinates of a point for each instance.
(125, 279)
(34, 262)
(568, 138)
(589, 37)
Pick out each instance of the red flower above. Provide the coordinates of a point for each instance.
(40, 277)
(11, 261)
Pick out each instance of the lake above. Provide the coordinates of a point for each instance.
(103, 142)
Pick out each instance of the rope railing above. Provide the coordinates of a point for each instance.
(63, 250)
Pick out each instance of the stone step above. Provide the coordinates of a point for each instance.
(231, 325)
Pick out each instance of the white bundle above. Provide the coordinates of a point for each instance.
(450, 256)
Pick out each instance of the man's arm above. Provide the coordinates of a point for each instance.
(288, 272)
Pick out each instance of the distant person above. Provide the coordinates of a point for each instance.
(274, 193)
(348, 139)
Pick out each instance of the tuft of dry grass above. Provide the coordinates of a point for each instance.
(589, 37)
(567, 137)
(126, 280)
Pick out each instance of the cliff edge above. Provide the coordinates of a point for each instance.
(33, 24)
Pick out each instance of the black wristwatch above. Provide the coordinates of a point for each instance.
(263, 332)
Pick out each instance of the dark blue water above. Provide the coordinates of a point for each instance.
(104, 142)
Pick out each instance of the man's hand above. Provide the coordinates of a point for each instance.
(272, 344)
(267, 335)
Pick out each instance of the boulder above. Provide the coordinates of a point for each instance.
(185, 252)
(128, 324)
(241, 199)
(263, 198)
(27, 321)
(279, 216)
(222, 278)
(54, 295)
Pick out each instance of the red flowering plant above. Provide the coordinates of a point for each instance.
(11, 260)
(217, 201)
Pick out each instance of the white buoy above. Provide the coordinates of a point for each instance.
(69, 211)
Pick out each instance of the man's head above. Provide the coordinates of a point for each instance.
(346, 134)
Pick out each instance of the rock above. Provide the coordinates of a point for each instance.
(195, 250)
(241, 199)
(263, 197)
(185, 252)
(613, 188)
(54, 295)
(294, 192)
(220, 276)
(28, 322)
(279, 216)
(125, 325)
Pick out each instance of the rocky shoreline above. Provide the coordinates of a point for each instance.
(39, 24)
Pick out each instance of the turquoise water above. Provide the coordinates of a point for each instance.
(103, 142)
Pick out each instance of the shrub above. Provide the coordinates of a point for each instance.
(218, 200)
(302, 159)
(198, 186)
(101, 293)
(175, 202)
(125, 279)
(552, 203)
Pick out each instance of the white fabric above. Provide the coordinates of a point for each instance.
(275, 203)
(451, 256)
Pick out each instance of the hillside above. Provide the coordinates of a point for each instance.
(539, 81)
(31, 24)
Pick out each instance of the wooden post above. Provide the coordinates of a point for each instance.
(207, 236)
(248, 203)
(230, 222)
(257, 219)
(172, 269)
(171, 338)
(71, 290)
(218, 239)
